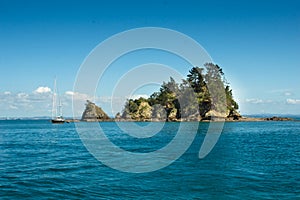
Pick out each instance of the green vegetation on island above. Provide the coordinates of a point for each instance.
(203, 95)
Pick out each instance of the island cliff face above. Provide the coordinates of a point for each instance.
(190, 100)
(93, 113)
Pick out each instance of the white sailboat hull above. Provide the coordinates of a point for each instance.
(58, 121)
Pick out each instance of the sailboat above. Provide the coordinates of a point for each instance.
(57, 117)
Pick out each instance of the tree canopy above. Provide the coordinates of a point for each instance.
(204, 90)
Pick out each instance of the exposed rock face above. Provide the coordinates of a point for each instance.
(214, 115)
(234, 115)
(173, 115)
(93, 113)
(138, 110)
(158, 113)
(143, 113)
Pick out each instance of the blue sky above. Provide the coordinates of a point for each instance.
(256, 43)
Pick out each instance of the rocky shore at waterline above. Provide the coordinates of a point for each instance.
(94, 113)
(254, 119)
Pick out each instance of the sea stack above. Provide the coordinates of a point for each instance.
(93, 113)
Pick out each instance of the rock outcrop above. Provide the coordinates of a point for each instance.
(278, 119)
(158, 113)
(143, 112)
(214, 116)
(94, 113)
(234, 115)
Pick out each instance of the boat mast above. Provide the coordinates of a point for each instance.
(54, 108)
(60, 108)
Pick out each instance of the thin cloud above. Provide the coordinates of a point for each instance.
(137, 96)
(254, 101)
(283, 92)
(293, 101)
(13, 107)
(76, 96)
(26, 104)
(258, 101)
(287, 94)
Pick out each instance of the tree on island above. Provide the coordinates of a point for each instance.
(189, 100)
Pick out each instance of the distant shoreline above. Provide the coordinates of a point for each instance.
(257, 119)
(241, 119)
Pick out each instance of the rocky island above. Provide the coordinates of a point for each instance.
(94, 113)
(190, 100)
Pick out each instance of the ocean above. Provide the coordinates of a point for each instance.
(251, 160)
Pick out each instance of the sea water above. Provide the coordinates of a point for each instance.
(251, 160)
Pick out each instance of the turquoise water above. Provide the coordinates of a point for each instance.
(252, 160)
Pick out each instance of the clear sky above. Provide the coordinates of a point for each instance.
(256, 43)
